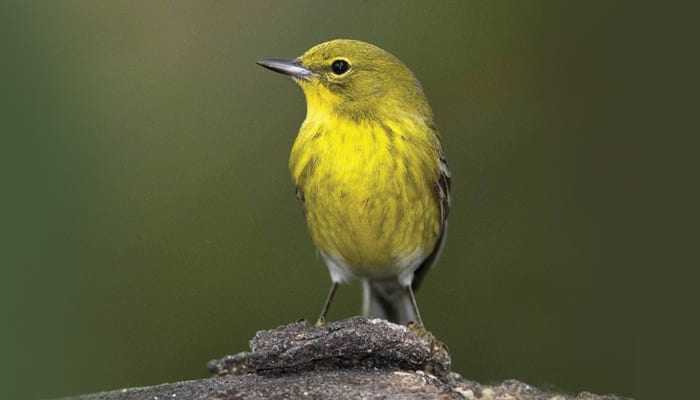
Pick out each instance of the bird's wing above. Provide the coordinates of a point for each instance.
(300, 199)
(442, 189)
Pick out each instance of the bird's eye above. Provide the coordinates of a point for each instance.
(339, 67)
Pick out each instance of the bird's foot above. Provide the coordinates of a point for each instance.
(419, 330)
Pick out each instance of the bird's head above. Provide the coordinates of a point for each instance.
(354, 79)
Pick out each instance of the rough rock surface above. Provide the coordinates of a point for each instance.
(350, 359)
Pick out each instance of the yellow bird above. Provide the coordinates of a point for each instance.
(369, 171)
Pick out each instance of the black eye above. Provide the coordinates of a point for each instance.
(339, 67)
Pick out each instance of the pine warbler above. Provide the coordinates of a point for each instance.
(369, 172)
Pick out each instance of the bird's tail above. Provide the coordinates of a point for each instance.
(388, 300)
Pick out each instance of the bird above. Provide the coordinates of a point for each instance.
(370, 173)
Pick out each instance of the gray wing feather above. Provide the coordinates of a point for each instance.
(442, 187)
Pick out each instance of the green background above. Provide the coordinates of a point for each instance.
(151, 225)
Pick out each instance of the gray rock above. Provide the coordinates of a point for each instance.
(352, 359)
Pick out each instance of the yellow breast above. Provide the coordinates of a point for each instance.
(369, 191)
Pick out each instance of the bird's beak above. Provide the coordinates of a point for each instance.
(292, 68)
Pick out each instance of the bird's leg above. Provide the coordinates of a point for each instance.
(327, 305)
(417, 327)
(419, 320)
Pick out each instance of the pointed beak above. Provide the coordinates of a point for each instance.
(292, 68)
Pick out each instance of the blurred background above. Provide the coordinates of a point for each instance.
(150, 223)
